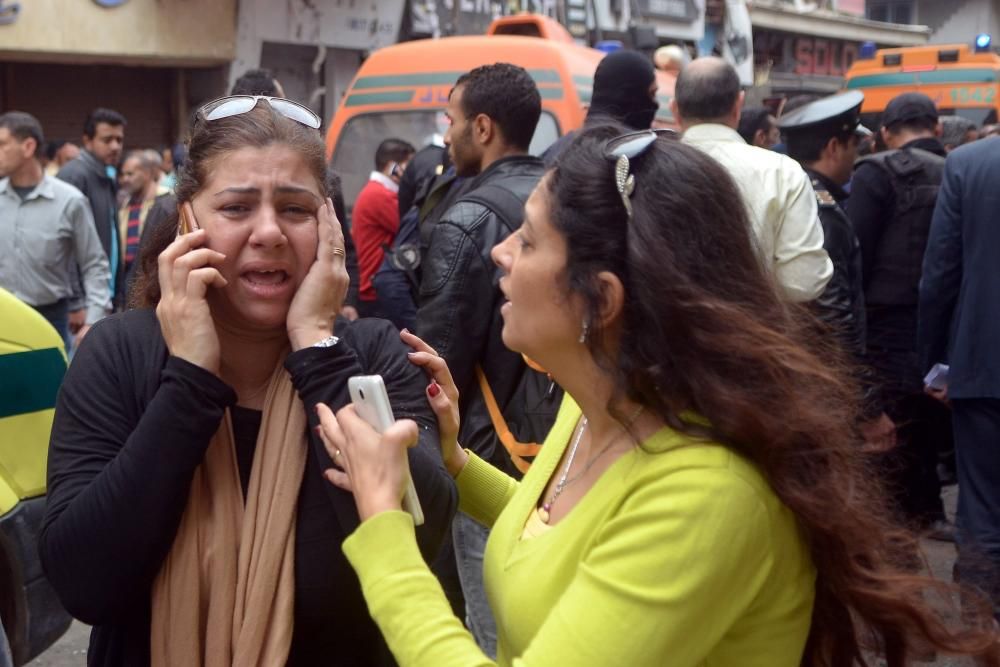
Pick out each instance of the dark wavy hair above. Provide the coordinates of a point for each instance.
(705, 329)
(210, 142)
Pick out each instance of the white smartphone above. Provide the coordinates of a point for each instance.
(937, 377)
(371, 402)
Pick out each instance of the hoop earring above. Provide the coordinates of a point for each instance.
(584, 332)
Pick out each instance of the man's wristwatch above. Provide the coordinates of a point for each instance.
(329, 341)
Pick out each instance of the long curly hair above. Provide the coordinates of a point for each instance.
(705, 329)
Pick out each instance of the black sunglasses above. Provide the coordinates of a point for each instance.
(627, 147)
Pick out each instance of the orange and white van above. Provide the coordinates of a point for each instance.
(402, 90)
(960, 80)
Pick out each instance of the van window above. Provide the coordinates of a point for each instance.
(354, 155)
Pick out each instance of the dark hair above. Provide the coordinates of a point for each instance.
(255, 82)
(807, 146)
(393, 150)
(508, 95)
(707, 92)
(24, 126)
(210, 142)
(753, 120)
(720, 342)
(102, 115)
(52, 148)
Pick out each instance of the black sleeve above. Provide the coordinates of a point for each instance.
(373, 347)
(118, 482)
(869, 208)
(456, 296)
(836, 304)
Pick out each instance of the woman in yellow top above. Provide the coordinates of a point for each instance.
(701, 499)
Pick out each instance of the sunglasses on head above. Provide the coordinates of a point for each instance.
(234, 105)
(627, 147)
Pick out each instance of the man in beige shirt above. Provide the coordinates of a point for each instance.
(779, 196)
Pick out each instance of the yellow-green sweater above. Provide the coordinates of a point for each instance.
(680, 555)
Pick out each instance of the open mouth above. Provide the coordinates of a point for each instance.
(275, 277)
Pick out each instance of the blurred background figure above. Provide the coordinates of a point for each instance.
(671, 58)
(956, 130)
(57, 153)
(758, 127)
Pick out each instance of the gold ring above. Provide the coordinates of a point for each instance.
(339, 251)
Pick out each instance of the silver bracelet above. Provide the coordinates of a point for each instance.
(329, 341)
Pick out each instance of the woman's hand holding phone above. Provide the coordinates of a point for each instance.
(186, 270)
(373, 467)
(321, 295)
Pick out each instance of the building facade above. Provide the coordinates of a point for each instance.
(149, 59)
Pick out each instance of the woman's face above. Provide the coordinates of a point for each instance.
(259, 207)
(539, 317)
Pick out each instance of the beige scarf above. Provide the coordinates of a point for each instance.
(225, 593)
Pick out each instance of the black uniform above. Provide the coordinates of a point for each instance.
(842, 303)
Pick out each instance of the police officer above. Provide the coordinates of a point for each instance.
(893, 194)
(823, 137)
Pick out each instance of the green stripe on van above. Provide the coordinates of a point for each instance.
(551, 93)
(435, 79)
(390, 97)
(934, 76)
(585, 81)
(30, 381)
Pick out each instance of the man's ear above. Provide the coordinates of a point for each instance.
(675, 110)
(30, 147)
(483, 129)
(938, 130)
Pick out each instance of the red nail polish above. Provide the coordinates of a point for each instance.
(319, 430)
(433, 389)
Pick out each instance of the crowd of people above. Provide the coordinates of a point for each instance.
(676, 397)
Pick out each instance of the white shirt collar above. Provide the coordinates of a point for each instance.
(384, 180)
(712, 132)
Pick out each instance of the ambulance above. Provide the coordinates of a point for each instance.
(32, 365)
(401, 91)
(961, 80)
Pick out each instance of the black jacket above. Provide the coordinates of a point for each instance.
(90, 177)
(891, 205)
(132, 424)
(460, 299)
(960, 290)
(842, 303)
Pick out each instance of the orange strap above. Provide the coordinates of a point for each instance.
(517, 450)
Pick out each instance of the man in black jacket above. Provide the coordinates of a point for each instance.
(94, 174)
(823, 137)
(892, 201)
(493, 110)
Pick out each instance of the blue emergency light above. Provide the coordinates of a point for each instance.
(867, 50)
(609, 45)
(983, 42)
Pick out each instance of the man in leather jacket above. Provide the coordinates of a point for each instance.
(823, 137)
(493, 110)
(893, 194)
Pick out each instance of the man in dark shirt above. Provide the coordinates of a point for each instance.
(891, 204)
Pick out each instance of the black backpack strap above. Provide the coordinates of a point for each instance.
(505, 204)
